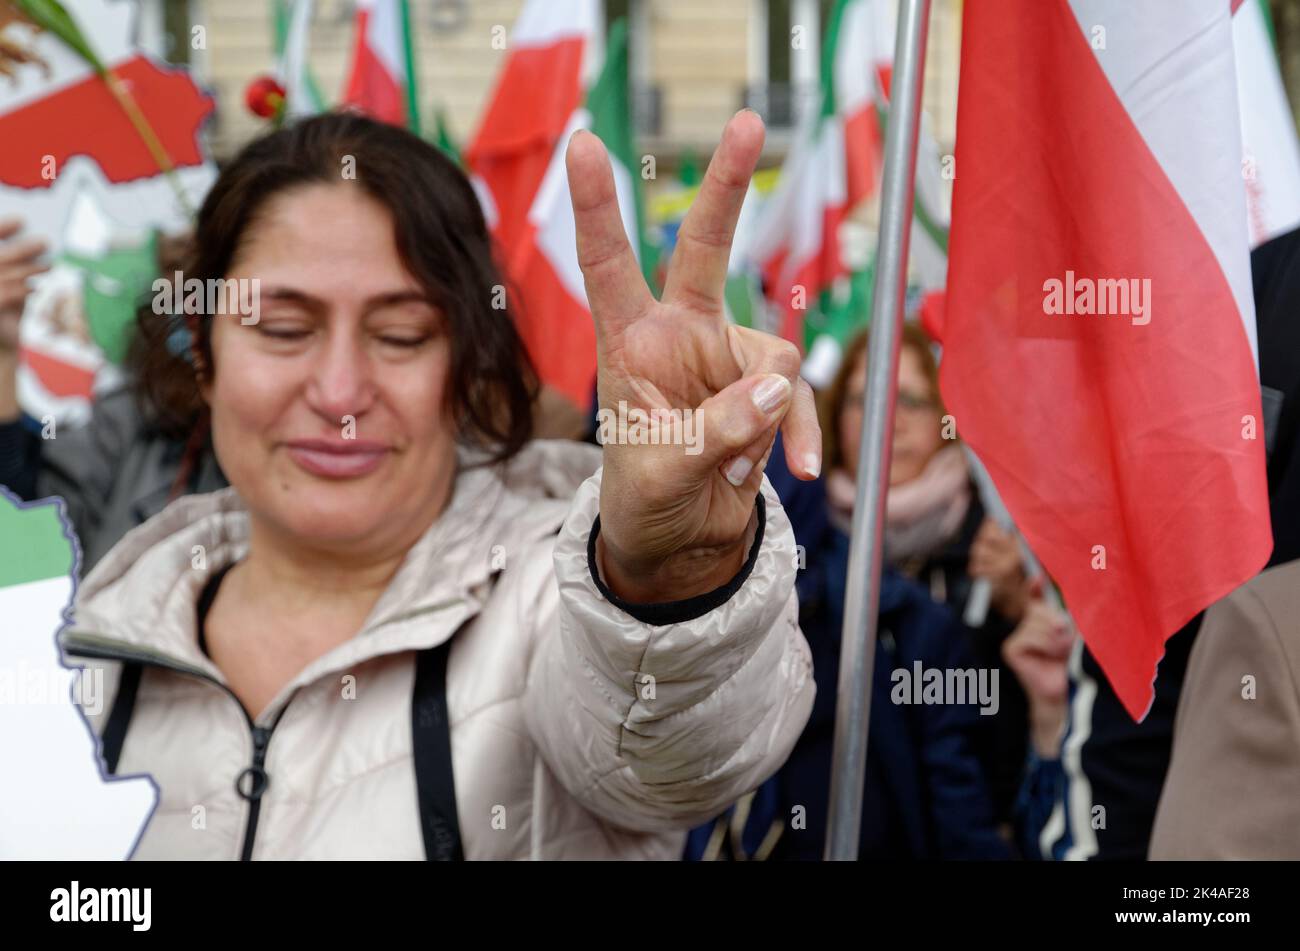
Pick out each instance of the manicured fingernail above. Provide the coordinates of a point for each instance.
(812, 463)
(772, 392)
(739, 470)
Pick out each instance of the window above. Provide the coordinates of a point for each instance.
(785, 59)
(163, 29)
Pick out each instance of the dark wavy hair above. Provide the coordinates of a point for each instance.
(442, 240)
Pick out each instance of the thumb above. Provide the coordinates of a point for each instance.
(736, 424)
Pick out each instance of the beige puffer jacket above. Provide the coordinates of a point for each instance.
(558, 750)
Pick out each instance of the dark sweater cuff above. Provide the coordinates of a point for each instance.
(678, 612)
(18, 454)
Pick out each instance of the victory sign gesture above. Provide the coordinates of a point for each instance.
(673, 523)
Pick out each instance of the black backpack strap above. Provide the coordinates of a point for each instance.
(435, 784)
(119, 718)
(431, 744)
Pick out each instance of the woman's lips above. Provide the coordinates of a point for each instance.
(337, 460)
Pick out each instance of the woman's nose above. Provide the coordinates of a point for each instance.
(342, 381)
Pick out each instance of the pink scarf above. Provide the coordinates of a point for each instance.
(922, 515)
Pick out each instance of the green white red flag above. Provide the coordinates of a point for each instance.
(292, 24)
(381, 81)
(518, 156)
(833, 166)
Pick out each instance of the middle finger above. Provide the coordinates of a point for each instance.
(698, 268)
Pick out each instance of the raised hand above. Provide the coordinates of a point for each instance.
(995, 556)
(676, 516)
(1038, 653)
(20, 260)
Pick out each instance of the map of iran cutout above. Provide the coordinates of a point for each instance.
(66, 144)
(56, 802)
(64, 133)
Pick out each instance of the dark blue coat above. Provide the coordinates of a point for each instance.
(925, 795)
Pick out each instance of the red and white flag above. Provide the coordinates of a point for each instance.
(536, 94)
(1099, 341)
(381, 82)
(518, 161)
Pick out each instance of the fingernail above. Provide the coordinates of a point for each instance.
(738, 471)
(771, 393)
(812, 463)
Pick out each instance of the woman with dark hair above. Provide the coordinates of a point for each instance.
(407, 630)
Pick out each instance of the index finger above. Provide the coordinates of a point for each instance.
(10, 227)
(616, 291)
(26, 250)
(698, 269)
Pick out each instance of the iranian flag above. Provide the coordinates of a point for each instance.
(540, 87)
(1099, 341)
(381, 82)
(555, 318)
(518, 161)
(292, 23)
(1270, 152)
(834, 165)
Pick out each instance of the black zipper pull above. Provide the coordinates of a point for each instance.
(252, 782)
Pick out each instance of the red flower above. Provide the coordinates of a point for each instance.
(264, 97)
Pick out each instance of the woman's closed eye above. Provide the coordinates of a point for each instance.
(281, 330)
(405, 341)
(294, 331)
(404, 325)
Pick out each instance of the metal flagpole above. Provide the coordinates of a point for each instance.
(858, 648)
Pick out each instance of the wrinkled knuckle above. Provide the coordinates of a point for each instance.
(595, 261)
(785, 356)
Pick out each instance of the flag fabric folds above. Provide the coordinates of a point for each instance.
(1099, 343)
